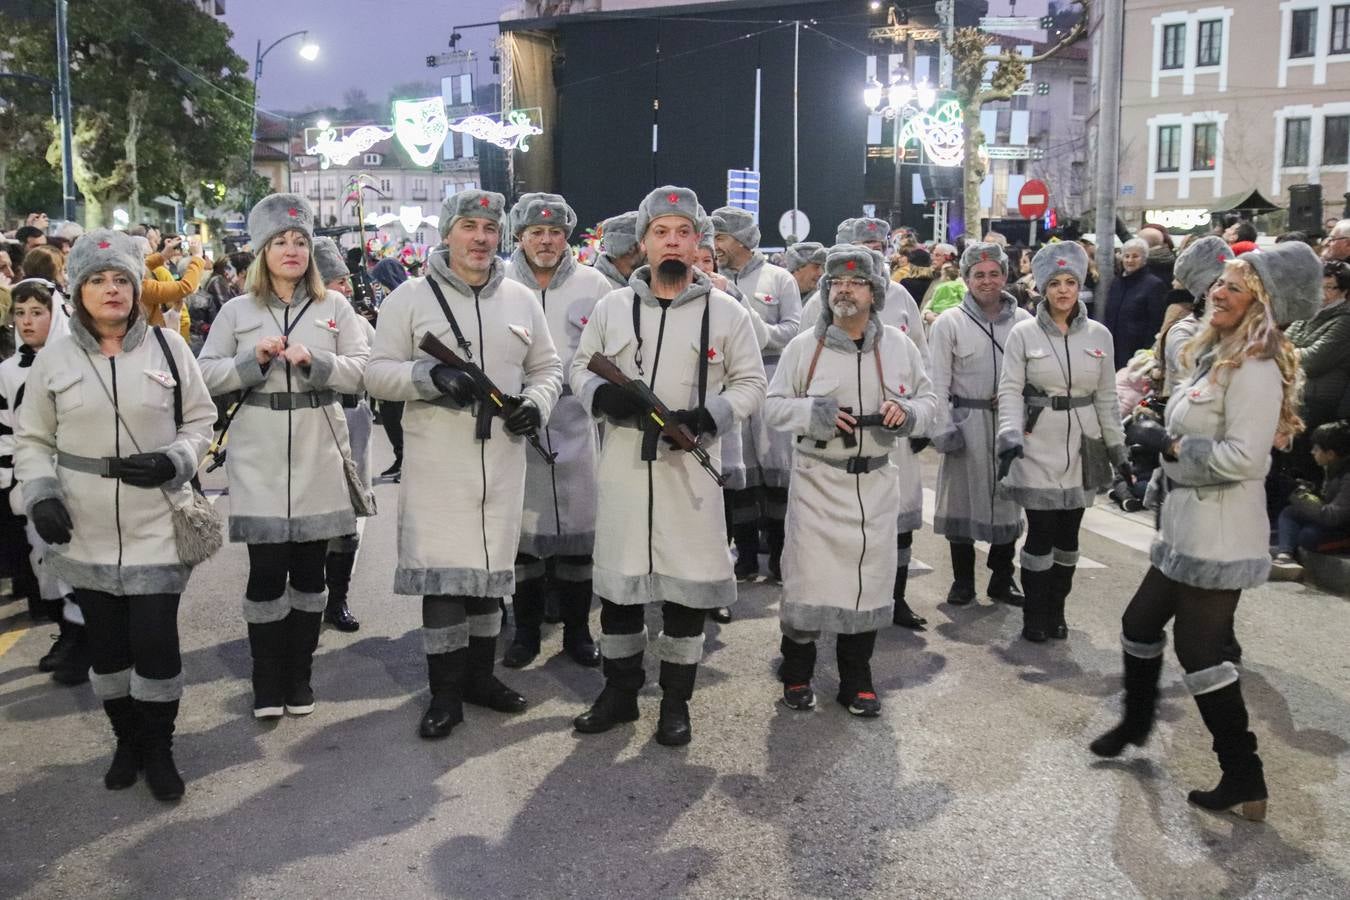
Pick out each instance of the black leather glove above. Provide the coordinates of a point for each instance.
(698, 420)
(918, 445)
(1151, 435)
(616, 402)
(1126, 472)
(525, 418)
(457, 386)
(1005, 461)
(147, 470)
(52, 520)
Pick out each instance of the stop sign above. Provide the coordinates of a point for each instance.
(1034, 199)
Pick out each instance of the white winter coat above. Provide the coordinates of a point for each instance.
(660, 531)
(122, 541)
(1078, 364)
(839, 557)
(1214, 532)
(967, 355)
(285, 466)
(559, 516)
(460, 498)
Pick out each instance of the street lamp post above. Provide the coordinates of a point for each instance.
(309, 51)
(898, 101)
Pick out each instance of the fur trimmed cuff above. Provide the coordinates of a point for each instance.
(184, 464)
(421, 379)
(950, 440)
(1119, 453)
(907, 427)
(1007, 440)
(824, 412)
(723, 416)
(39, 489)
(320, 368)
(246, 364)
(1193, 460)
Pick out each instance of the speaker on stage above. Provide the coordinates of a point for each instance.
(1305, 208)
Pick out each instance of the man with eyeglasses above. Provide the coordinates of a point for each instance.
(1337, 244)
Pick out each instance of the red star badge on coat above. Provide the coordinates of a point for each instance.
(901, 390)
(871, 226)
(585, 319)
(712, 354)
(1222, 257)
(332, 323)
(984, 256)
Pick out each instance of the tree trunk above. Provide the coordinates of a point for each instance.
(973, 171)
(136, 105)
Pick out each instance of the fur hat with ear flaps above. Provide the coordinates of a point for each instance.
(852, 261)
(277, 213)
(1291, 273)
(101, 250)
(472, 204)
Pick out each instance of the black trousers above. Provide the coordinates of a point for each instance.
(391, 417)
(138, 633)
(628, 618)
(1202, 620)
(270, 566)
(1052, 529)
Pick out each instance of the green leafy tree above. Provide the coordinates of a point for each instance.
(161, 103)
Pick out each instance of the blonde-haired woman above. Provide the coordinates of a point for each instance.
(1214, 535)
(292, 348)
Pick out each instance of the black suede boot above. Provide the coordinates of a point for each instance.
(302, 639)
(677, 687)
(61, 648)
(267, 644)
(963, 574)
(126, 761)
(575, 599)
(617, 703)
(337, 572)
(445, 676)
(903, 615)
(1242, 787)
(1002, 585)
(481, 687)
(73, 667)
(746, 538)
(1061, 585)
(528, 603)
(155, 725)
(1035, 606)
(1141, 704)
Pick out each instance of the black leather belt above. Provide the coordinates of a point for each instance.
(973, 403)
(1061, 403)
(103, 466)
(853, 465)
(298, 400)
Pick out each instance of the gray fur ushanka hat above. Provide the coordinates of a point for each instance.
(1291, 273)
(669, 201)
(277, 213)
(542, 209)
(472, 204)
(99, 251)
(802, 254)
(1201, 264)
(978, 252)
(618, 234)
(329, 260)
(843, 234)
(738, 223)
(869, 229)
(852, 261)
(1054, 259)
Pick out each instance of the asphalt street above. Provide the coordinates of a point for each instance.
(976, 781)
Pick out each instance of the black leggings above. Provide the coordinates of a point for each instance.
(1052, 529)
(269, 566)
(391, 417)
(629, 618)
(1203, 619)
(139, 632)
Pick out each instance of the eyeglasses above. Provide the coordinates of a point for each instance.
(850, 282)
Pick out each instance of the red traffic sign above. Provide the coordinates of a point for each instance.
(1034, 199)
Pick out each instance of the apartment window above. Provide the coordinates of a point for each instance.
(1336, 141)
(1296, 134)
(1340, 29)
(384, 186)
(1209, 50)
(1076, 170)
(1303, 34)
(1082, 97)
(372, 159)
(1169, 148)
(1206, 145)
(1174, 46)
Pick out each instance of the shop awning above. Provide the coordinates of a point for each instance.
(1244, 201)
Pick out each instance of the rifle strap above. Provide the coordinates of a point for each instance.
(705, 328)
(462, 341)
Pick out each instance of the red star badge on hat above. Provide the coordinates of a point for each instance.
(103, 245)
(984, 256)
(547, 214)
(293, 213)
(483, 201)
(674, 198)
(1062, 263)
(1222, 257)
(851, 264)
(871, 226)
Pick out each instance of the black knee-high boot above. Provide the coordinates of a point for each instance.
(575, 599)
(1242, 787)
(481, 687)
(1036, 605)
(617, 702)
(155, 727)
(302, 639)
(673, 728)
(963, 574)
(1002, 585)
(126, 761)
(1141, 704)
(445, 676)
(267, 644)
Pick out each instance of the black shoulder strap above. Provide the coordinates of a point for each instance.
(637, 333)
(177, 380)
(703, 352)
(989, 332)
(454, 325)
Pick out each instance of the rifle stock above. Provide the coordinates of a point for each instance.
(656, 413)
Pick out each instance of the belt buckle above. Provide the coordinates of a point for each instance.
(108, 466)
(857, 465)
(279, 401)
(1059, 404)
(312, 400)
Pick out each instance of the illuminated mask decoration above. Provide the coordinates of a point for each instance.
(939, 132)
(421, 127)
(511, 134)
(341, 150)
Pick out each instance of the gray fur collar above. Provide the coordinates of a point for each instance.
(438, 265)
(521, 271)
(605, 266)
(756, 260)
(1077, 322)
(970, 305)
(641, 282)
(836, 339)
(89, 343)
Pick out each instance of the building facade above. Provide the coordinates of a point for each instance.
(1222, 99)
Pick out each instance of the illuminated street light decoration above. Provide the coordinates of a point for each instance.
(332, 149)
(510, 134)
(939, 132)
(421, 127)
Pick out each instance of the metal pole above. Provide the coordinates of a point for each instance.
(796, 69)
(252, 130)
(755, 165)
(67, 136)
(897, 207)
(1112, 25)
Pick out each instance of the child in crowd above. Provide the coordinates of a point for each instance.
(1320, 522)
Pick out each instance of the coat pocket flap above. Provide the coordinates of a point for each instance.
(247, 327)
(161, 377)
(822, 387)
(521, 332)
(1037, 353)
(1095, 352)
(64, 381)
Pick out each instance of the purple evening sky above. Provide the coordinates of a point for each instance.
(367, 44)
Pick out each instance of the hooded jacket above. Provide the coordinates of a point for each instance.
(1323, 344)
